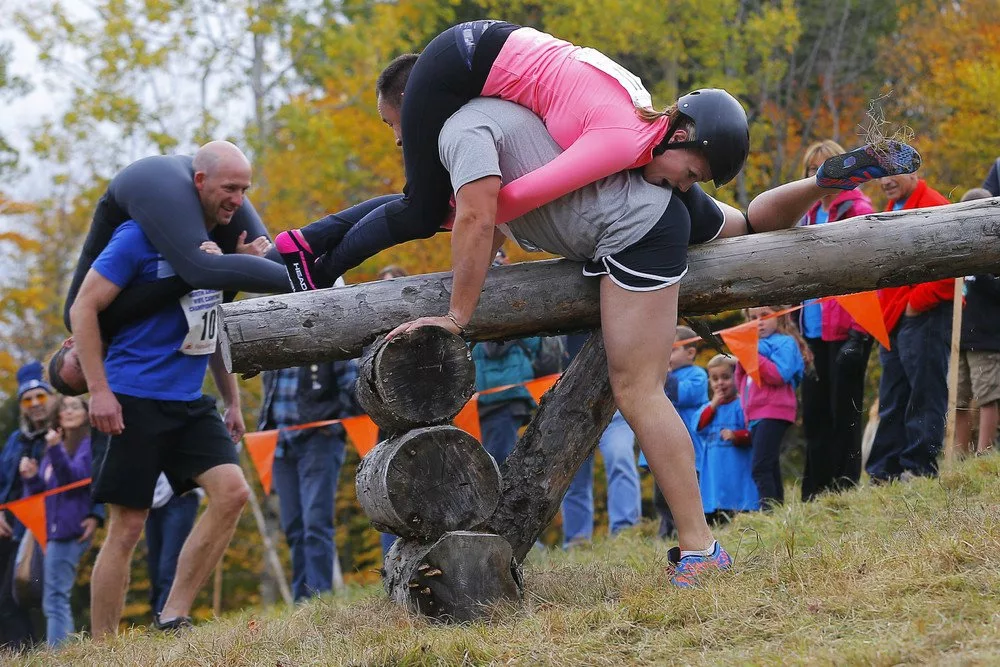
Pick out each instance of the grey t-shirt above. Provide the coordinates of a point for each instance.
(492, 137)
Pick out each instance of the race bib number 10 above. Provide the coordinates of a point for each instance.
(202, 318)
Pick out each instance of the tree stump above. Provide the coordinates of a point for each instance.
(416, 379)
(457, 578)
(427, 482)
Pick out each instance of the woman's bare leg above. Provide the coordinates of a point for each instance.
(638, 334)
(785, 205)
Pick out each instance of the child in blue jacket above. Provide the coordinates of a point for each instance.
(726, 478)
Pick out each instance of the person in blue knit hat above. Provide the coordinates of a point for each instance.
(24, 447)
(26, 442)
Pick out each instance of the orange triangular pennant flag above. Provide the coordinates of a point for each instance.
(260, 447)
(742, 341)
(363, 433)
(31, 512)
(866, 311)
(468, 419)
(538, 387)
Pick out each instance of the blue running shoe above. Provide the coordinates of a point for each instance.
(687, 569)
(849, 170)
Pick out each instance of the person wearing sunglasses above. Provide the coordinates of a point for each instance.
(26, 442)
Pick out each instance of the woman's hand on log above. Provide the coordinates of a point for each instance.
(444, 322)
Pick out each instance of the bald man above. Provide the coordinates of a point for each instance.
(147, 408)
(171, 198)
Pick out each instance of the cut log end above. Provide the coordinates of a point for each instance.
(463, 576)
(419, 378)
(427, 482)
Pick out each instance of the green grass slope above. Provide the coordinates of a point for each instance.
(898, 574)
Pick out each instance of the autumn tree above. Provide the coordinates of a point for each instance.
(943, 64)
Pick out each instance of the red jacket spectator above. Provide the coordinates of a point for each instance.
(922, 296)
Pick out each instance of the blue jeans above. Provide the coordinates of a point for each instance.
(624, 496)
(913, 396)
(167, 528)
(387, 540)
(62, 557)
(305, 479)
(499, 429)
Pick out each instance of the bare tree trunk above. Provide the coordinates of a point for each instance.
(460, 577)
(879, 250)
(566, 429)
(427, 482)
(419, 378)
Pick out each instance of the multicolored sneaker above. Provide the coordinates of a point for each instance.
(686, 569)
(849, 170)
(298, 258)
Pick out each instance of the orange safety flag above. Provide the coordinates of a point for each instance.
(742, 341)
(363, 433)
(538, 387)
(866, 311)
(260, 447)
(468, 419)
(31, 512)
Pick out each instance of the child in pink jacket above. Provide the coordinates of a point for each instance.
(770, 406)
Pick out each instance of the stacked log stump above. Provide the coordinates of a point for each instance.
(430, 483)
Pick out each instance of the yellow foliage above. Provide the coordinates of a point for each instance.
(946, 89)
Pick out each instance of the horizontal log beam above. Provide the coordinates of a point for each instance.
(878, 250)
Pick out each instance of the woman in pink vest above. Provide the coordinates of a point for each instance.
(832, 398)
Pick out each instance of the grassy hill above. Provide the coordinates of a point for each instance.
(887, 575)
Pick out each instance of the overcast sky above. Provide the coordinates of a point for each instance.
(20, 115)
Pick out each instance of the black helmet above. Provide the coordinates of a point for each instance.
(721, 130)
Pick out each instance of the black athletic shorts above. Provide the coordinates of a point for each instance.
(659, 259)
(181, 439)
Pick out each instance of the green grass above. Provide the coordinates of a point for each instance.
(889, 575)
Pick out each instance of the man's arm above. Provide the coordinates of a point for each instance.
(95, 294)
(230, 392)
(471, 253)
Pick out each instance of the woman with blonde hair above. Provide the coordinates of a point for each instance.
(832, 397)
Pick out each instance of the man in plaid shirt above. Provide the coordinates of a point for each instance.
(307, 462)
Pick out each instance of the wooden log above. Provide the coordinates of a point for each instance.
(416, 379)
(564, 432)
(427, 482)
(878, 250)
(457, 578)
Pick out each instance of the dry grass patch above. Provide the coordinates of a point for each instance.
(888, 575)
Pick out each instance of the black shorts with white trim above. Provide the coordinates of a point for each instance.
(659, 259)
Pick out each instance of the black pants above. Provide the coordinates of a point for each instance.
(667, 528)
(765, 438)
(913, 396)
(15, 625)
(442, 81)
(831, 417)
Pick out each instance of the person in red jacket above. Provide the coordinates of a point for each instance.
(913, 391)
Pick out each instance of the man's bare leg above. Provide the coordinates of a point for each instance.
(109, 582)
(227, 493)
(989, 415)
(638, 334)
(963, 432)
